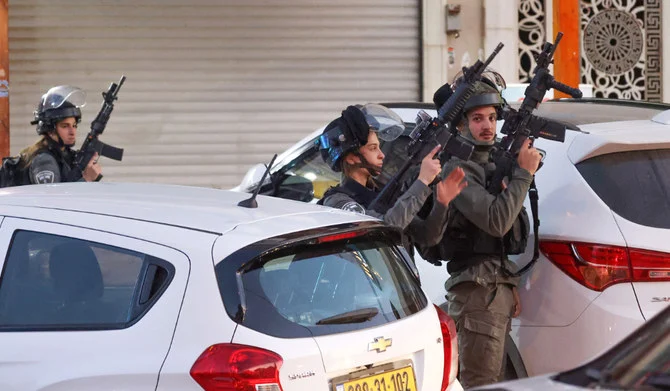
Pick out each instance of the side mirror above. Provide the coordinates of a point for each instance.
(297, 188)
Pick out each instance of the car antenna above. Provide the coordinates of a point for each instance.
(251, 201)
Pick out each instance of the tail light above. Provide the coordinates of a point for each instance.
(450, 345)
(341, 236)
(233, 367)
(598, 266)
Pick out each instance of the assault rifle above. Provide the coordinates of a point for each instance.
(92, 144)
(523, 124)
(429, 132)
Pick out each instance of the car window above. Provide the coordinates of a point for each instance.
(313, 168)
(634, 184)
(56, 281)
(395, 155)
(319, 289)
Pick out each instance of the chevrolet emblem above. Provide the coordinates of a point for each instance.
(380, 344)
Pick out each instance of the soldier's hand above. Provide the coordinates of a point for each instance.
(430, 167)
(93, 169)
(451, 186)
(529, 158)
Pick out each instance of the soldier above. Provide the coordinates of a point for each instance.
(50, 159)
(350, 145)
(481, 294)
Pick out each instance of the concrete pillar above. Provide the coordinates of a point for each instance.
(502, 25)
(567, 64)
(434, 47)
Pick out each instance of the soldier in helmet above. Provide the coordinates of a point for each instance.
(50, 159)
(350, 144)
(481, 294)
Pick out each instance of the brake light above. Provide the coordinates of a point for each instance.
(450, 346)
(598, 266)
(234, 367)
(342, 236)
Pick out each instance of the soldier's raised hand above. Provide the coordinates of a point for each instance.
(430, 167)
(529, 158)
(93, 170)
(448, 188)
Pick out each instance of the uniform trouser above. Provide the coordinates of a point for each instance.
(482, 315)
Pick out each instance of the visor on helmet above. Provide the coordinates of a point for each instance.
(57, 96)
(386, 123)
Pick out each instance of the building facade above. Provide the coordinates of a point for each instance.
(214, 87)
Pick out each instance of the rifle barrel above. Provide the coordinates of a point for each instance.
(493, 55)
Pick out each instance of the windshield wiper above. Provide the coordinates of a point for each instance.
(355, 316)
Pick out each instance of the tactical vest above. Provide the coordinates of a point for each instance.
(353, 190)
(464, 244)
(364, 196)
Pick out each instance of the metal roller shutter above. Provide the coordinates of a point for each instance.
(212, 87)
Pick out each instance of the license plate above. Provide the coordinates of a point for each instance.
(395, 380)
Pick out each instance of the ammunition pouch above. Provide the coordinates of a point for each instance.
(516, 240)
(463, 242)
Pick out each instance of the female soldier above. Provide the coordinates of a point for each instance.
(51, 159)
(350, 144)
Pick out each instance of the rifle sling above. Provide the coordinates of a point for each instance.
(534, 197)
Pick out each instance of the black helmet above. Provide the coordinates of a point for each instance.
(58, 103)
(351, 130)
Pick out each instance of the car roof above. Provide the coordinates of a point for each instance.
(203, 209)
(573, 111)
(621, 136)
(592, 110)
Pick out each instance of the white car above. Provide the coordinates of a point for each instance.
(640, 362)
(109, 286)
(605, 227)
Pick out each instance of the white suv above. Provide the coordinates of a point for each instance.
(149, 287)
(605, 227)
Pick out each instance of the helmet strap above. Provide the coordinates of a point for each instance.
(59, 141)
(373, 170)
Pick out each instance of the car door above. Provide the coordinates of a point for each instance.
(82, 309)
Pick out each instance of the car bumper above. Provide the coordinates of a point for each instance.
(612, 316)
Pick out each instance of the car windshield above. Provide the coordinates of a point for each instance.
(314, 169)
(321, 287)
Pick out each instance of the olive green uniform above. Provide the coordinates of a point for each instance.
(479, 294)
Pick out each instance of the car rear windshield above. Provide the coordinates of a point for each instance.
(634, 184)
(319, 286)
